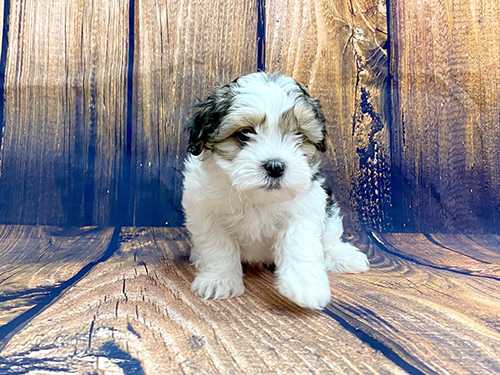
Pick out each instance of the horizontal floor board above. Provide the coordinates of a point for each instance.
(135, 313)
(35, 260)
(432, 316)
(452, 252)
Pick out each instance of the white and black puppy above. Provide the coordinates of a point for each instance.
(253, 192)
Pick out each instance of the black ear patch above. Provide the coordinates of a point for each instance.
(318, 113)
(207, 118)
(321, 146)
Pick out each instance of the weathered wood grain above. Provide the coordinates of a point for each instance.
(484, 243)
(135, 313)
(137, 310)
(338, 49)
(182, 49)
(2, 8)
(36, 260)
(65, 108)
(451, 252)
(484, 248)
(4, 24)
(437, 318)
(446, 110)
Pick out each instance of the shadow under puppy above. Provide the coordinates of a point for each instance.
(253, 192)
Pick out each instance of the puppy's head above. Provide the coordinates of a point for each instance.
(266, 133)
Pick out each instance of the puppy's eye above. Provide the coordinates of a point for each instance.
(244, 134)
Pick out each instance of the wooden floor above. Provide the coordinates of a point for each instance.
(118, 300)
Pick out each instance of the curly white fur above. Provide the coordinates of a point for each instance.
(235, 212)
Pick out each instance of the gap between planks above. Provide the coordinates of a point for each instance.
(136, 311)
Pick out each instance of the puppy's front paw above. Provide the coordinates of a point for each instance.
(210, 285)
(307, 288)
(344, 257)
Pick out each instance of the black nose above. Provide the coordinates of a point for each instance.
(274, 168)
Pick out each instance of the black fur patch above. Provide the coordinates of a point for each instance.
(208, 116)
(318, 113)
(330, 200)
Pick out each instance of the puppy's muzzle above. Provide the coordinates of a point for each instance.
(274, 168)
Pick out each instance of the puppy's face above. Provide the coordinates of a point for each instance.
(265, 131)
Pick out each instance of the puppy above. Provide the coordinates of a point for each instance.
(253, 192)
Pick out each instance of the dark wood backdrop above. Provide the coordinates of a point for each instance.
(95, 94)
(446, 114)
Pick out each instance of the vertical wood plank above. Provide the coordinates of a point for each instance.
(65, 89)
(338, 49)
(182, 49)
(446, 110)
(2, 9)
(4, 24)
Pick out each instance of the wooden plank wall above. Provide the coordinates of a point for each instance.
(338, 49)
(96, 94)
(64, 120)
(446, 109)
(183, 48)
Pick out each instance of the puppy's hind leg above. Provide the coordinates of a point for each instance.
(341, 256)
(216, 257)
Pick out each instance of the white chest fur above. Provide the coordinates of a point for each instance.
(255, 227)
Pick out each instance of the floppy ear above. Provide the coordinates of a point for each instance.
(207, 118)
(318, 114)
